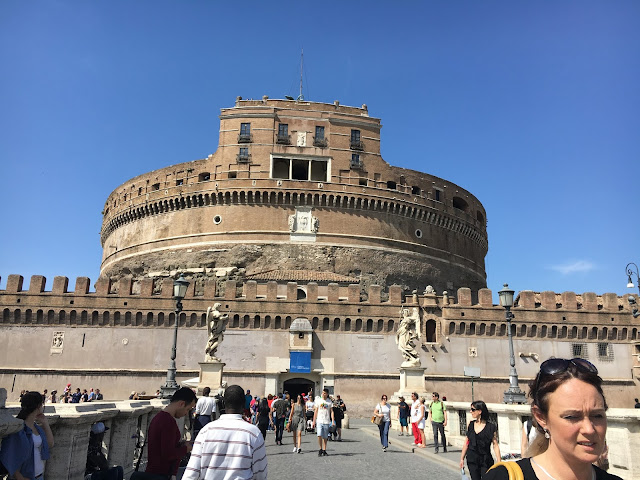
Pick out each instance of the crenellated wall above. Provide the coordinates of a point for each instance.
(125, 328)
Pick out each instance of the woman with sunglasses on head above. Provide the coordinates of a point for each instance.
(383, 411)
(570, 412)
(480, 436)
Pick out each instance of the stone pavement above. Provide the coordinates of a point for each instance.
(359, 455)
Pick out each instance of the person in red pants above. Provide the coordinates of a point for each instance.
(415, 419)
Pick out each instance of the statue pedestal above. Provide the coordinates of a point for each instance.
(411, 380)
(210, 376)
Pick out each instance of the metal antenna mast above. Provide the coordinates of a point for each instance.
(301, 97)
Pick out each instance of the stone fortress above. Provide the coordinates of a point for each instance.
(312, 244)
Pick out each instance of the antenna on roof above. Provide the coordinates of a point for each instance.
(301, 97)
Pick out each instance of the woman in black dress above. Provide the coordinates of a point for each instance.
(480, 436)
(570, 412)
(264, 417)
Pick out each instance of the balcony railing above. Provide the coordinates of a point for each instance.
(242, 158)
(283, 139)
(357, 145)
(356, 164)
(245, 138)
(320, 142)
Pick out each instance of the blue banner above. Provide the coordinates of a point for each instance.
(300, 362)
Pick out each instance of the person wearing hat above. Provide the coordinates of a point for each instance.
(97, 467)
(24, 453)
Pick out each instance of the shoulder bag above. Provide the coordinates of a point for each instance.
(375, 418)
(513, 469)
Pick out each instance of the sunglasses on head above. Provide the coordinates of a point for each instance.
(554, 366)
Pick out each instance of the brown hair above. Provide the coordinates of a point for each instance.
(541, 387)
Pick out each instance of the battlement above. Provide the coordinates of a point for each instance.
(207, 288)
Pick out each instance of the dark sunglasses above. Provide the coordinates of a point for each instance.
(554, 366)
(473, 409)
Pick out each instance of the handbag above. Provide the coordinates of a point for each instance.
(513, 469)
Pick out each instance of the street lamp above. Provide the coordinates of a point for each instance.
(631, 298)
(513, 394)
(179, 291)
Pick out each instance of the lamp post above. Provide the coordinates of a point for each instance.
(632, 300)
(179, 291)
(513, 394)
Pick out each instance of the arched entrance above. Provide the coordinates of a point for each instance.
(297, 386)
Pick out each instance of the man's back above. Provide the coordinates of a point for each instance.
(228, 448)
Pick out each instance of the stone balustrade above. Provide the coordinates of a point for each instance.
(71, 423)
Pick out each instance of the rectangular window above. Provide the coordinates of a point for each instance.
(579, 350)
(319, 140)
(436, 195)
(245, 133)
(355, 160)
(356, 143)
(283, 134)
(605, 352)
(243, 154)
(179, 182)
(299, 169)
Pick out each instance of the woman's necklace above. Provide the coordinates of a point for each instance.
(593, 472)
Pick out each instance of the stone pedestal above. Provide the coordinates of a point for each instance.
(411, 380)
(210, 376)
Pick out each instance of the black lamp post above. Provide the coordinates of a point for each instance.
(513, 394)
(179, 291)
(632, 300)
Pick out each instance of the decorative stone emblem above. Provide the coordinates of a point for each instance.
(303, 225)
(429, 290)
(57, 342)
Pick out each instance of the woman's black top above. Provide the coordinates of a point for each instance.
(263, 416)
(480, 443)
(500, 473)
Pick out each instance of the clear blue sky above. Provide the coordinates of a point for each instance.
(534, 107)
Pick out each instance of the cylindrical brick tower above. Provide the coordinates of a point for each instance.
(297, 185)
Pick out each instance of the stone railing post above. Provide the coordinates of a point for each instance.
(125, 434)
(69, 454)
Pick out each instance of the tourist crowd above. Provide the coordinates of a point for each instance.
(564, 439)
(68, 396)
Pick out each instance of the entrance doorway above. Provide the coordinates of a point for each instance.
(298, 386)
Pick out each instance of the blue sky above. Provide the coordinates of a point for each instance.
(534, 107)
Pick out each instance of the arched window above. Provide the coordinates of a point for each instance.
(430, 331)
(369, 326)
(347, 324)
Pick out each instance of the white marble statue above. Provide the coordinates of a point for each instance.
(408, 331)
(215, 328)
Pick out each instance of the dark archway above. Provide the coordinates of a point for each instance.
(297, 386)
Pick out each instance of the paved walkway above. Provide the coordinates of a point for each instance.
(359, 455)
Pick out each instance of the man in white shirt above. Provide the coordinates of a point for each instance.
(205, 410)
(323, 418)
(228, 448)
